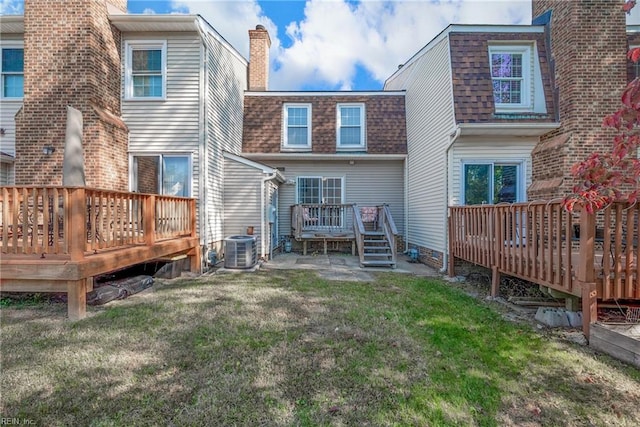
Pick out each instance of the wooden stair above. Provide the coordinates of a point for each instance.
(377, 250)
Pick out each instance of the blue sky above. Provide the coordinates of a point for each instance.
(336, 44)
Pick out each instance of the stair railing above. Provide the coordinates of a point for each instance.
(358, 231)
(390, 230)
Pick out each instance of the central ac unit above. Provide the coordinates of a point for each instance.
(240, 252)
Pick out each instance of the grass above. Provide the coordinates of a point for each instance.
(287, 348)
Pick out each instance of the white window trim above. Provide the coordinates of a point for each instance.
(526, 51)
(10, 44)
(130, 46)
(133, 168)
(521, 191)
(363, 132)
(285, 127)
(322, 180)
(636, 65)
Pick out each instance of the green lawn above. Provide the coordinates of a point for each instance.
(287, 348)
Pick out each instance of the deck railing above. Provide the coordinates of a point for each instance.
(325, 218)
(582, 254)
(78, 221)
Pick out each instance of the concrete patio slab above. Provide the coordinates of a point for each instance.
(343, 267)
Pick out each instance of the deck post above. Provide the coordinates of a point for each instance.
(585, 274)
(451, 270)
(77, 215)
(77, 299)
(495, 281)
(149, 218)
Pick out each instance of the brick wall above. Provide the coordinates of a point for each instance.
(259, 43)
(71, 57)
(588, 56)
(386, 131)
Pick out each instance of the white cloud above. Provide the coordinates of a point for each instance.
(232, 19)
(11, 7)
(335, 36)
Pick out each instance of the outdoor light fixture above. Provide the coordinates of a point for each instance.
(48, 150)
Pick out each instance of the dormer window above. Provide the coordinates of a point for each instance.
(511, 77)
(297, 127)
(351, 128)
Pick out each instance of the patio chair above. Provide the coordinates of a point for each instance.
(369, 215)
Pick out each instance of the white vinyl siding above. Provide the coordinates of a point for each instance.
(477, 150)
(226, 81)
(6, 173)
(201, 115)
(242, 186)
(367, 183)
(8, 110)
(430, 121)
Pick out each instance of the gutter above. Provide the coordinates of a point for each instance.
(453, 137)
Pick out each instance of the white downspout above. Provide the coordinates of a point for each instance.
(263, 222)
(453, 137)
(406, 204)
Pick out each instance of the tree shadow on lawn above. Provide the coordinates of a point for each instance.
(290, 349)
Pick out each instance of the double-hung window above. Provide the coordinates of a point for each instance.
(511, 77)
(297, 126)
(351, 127)
(12, 71)
(146, 65)
(168, 174)
(492, 182)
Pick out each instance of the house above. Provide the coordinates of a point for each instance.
(500, 113)
(161, 98)
(333, 149)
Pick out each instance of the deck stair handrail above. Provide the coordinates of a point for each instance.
(79, 221)
(390, 229)
(359, 230)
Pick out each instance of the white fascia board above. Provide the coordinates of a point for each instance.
(208, 29)
(459, 28)
(507, 129)
(253, 164)
(153, 22)
(11, 24)
(332, 93)
(319, 157)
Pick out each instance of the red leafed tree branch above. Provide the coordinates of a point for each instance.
(613, 176)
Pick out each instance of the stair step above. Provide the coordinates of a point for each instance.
(377, 248)
(373, 233)
(379, 264)
(376, 241)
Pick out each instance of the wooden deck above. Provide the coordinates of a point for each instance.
(589, 256)
(56, 239)
(370, 230)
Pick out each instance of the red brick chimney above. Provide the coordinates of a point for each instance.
(259, 44)
(71, 57)
(588, 55)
